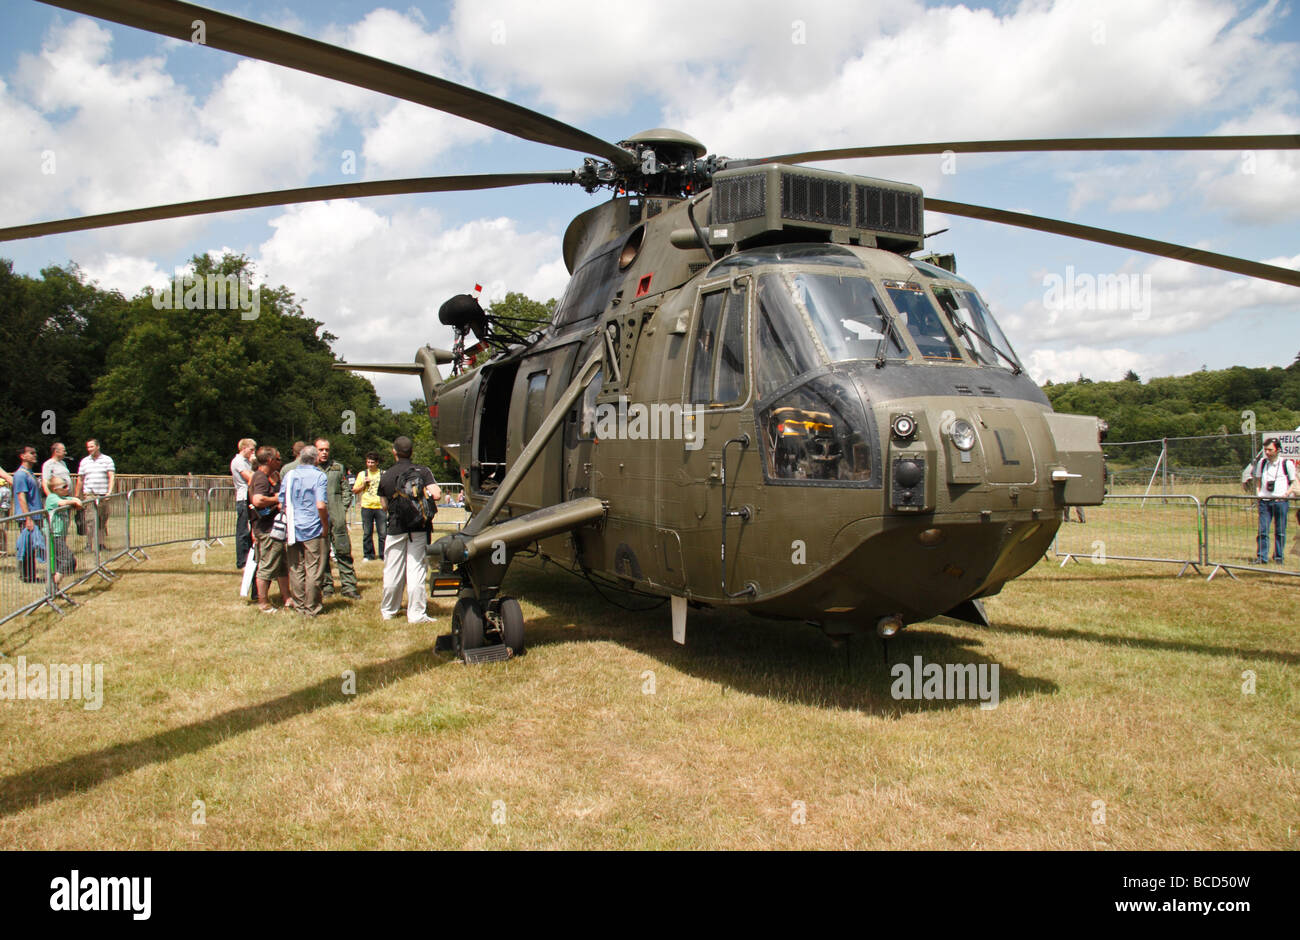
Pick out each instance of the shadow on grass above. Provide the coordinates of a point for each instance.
(84, 771)
(1175, 646)
(230, 572)
(782, 660)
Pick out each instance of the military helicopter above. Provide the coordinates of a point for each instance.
(756, 392)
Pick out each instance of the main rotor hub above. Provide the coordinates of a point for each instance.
(669, 163)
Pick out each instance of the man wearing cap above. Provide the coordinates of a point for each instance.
(405, 565)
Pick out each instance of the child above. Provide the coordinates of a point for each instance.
(55, 503)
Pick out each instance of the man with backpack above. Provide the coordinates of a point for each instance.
(409, 495)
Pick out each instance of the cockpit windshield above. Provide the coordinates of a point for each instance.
(845, 311)
(977, 328)
(923, 321)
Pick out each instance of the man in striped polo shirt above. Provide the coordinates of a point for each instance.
(95, 478)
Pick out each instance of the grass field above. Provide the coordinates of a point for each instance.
(1122, 724)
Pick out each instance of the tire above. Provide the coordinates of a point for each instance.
(467, 625)
(512, 625)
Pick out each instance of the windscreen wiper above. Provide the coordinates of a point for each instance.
(967, 328)
(889, 334)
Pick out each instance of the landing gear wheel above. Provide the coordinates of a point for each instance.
(512, 625)
(467, 625)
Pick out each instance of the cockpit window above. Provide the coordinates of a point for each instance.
(977, 328)
(923, 322)
(784, 348)
(846, 314)
(818, 432)
(804, 253)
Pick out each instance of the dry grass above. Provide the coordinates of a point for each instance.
(1118, 683)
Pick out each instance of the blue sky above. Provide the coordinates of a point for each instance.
(133, 119)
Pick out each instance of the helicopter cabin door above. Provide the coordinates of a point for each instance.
(539, 383)
(716, 391)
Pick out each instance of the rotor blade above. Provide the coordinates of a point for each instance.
(394, 368)
(282, 197)
(242, 37)
(1236, 142)
(1103, 236)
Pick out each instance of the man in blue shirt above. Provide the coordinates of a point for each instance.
(28, 498)
(303, 496)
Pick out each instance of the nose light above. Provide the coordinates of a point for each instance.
(962, 434)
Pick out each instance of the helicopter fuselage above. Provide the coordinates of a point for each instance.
(812, 430)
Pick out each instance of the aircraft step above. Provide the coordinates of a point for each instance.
(498, 653)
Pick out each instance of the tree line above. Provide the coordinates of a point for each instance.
(172, 390)
(1207, 403)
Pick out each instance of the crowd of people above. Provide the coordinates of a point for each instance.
(49, 494)
(292, 524)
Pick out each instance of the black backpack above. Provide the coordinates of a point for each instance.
(410, 508)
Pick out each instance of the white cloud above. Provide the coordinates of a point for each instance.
(377, 280)
(1097, 363)
(582, 60)
(125, 273)
(1037, 71)
(1162, 298)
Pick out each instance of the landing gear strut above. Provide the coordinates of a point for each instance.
(490, 633)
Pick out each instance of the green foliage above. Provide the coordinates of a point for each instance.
(1203, 403)
(183, 386)
(523, 313)
(55, 336)
(172, 391)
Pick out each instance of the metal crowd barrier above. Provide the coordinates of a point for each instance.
(96, 535)
(1231, 537)
(1164, 529)
(25, 578)
(164, 516)
(221, 519)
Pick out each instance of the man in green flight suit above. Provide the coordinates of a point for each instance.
(339, 498)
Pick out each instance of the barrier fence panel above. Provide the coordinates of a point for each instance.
(109, 514)
(24, 573)
(1135, 528)
(1178, 464)
(165, 515)
(221, 513)
(1231, 536)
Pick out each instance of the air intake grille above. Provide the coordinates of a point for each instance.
(887, 210)
(810, 199)
(740, 197)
